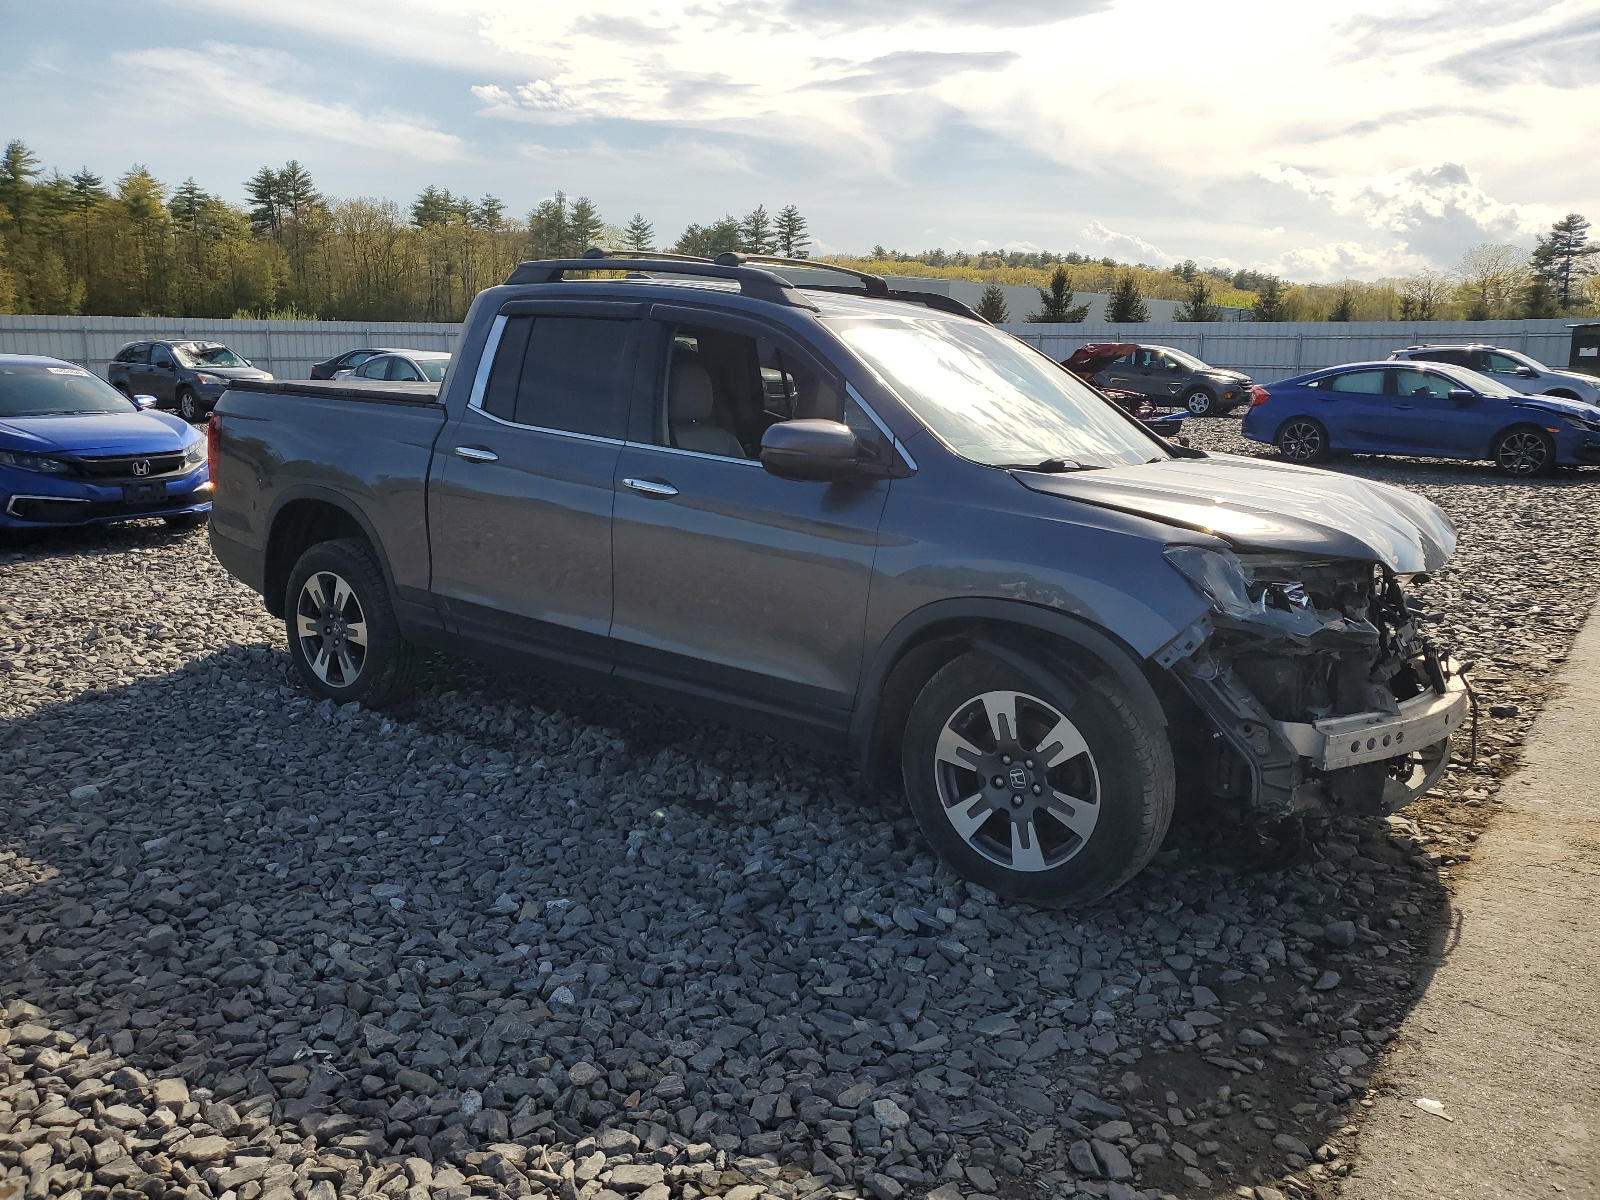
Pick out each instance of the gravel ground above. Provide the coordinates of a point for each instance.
(514, 940)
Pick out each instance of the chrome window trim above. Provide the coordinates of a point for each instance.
(480, 384)
(743, 462)
(899, 446)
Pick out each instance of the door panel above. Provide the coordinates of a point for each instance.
(161, 376)
(740, 580)
(1355, 409)
(1428, 422)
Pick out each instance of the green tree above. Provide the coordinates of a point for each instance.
(19, 167)
(1187, 270)
(1055, 305)
(1344, 303)
(1127, 305)
(790, 231)
(640, 235)
(549, 228)
(756, 233)
(434, 206)
(584, 226)
(708, 241)
(1198, 306)
(992, 307)
(1270, 304)
(1563, 257)
(1538, 300)
(489, 214)
(265, 205)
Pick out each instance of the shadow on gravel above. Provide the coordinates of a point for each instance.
(512, 913)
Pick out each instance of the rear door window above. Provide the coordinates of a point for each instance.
(568, 374)
(1366, 383)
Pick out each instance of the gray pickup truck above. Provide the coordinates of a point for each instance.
(858, 519)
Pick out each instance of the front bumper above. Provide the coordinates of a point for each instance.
(31, 501)
(1360, 738)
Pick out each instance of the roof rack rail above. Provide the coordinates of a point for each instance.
(753, 282)
(734, 258)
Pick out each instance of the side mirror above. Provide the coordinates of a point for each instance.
(1172, 366)
(143, 402)
(820, 451)
(1527, 373)
(1462, 395)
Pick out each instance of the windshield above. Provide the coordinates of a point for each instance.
(1484, 385)
(207, 354)
(48, 389)
(991, 398)
(433, 368)
(1184, 359)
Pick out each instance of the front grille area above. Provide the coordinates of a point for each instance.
(72, 512)
(124, 466)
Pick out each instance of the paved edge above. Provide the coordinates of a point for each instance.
(1507, 1035)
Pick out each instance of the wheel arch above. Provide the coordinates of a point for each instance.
(301, 519)
(1038, 642)
(1565, 394)
(1512, 426)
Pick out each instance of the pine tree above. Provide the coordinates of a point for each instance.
(1270, 305)
(19, 167)
(1127, 305)
(708, 241)
(1539, 300)
(489, 214)
(1056, 304)
(433, 207)
(640, 235)
(265, 204)
(1562, 257)
(992, 307)
(790, 231)
(756, 234)
(548, 232)
(584, 226)
(1344, 304)
(1198, 306)
(299, 198)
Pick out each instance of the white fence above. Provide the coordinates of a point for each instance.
(1278, 349)
(1268, 350)
(286, 348)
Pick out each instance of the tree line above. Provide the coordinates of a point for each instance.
(76, 244)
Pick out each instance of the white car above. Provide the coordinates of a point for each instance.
(1510, 367)
(408, 366)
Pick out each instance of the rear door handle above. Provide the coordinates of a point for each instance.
(476, 454)
(651, 487)
(1405, 405)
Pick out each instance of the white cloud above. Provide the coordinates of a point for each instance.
(1406, 199)
(265, 88)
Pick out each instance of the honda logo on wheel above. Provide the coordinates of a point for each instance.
(142, 467)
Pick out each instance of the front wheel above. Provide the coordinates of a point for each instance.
(1053, 794)
(189, 406)
(1302, 440)
(1524, 452)
(1200, 403)
(342, 631)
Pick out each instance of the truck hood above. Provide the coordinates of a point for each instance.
(1257, 505)
(96, 433)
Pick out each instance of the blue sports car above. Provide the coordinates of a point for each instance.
(1424, 409)
(74, 451)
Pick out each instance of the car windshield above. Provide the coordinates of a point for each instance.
(432, 368)
(991, 398)
(207, 354)
(1183, 359)
(1478, 382)
(53, 389)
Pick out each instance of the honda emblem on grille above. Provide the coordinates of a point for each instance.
(142, 467)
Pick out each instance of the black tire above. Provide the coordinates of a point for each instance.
(1200, 403)
(1564, 394)
(1523, 452)
(186, 520)
(385, 668)
(1126, 763)
(189, 407)
(1302, 440)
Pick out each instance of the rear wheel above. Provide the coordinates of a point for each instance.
(1051, 792)
(1302, 440)
(1200, 403)
(342, 631)
(1523, 452)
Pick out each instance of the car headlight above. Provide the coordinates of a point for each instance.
(1580, 423)
(212, 380)
(43, 463)
(194, 453)
(1218, 574)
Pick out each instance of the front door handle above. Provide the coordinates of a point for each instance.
(651, 487)
(1406, 406)
(476, 454)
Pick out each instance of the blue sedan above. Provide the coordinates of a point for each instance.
(74, 451)
(1422, 409)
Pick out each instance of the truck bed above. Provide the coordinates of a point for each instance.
(375, 391)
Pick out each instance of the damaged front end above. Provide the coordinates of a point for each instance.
(1317, 685)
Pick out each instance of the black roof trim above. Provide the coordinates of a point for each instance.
(873, 283)
(755, 283)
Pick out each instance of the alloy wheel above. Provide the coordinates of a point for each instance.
(1199, 403)
(188, 408)
(1017, 781)
(332, 629)
(1522, 452)
(1301, 441)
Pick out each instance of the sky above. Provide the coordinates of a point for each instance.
(1317, 140)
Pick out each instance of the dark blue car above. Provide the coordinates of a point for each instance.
(74, 451)
(1425, 409)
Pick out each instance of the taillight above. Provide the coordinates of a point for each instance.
(212, 436)
(1259, 395)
